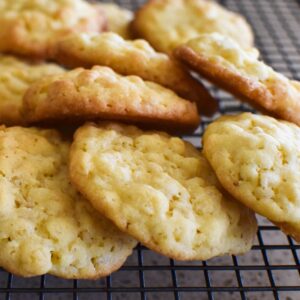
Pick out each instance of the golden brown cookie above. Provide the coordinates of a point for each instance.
(160, 190)
(133, 58)
(221, 60)
(257, 160)
(45, 225)
(118, 18)
(100, 93)
(167, 24)
(15, 77)
(31, 27)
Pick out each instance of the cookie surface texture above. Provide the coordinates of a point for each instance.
(31, 27)
(118, 18)
(160, 190)
(221, 60)
(100, 93)
(45, 225)
(133, 58)
(168, 23)
(15, 77)
(257, 160)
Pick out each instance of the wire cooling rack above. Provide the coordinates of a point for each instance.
(271, 270)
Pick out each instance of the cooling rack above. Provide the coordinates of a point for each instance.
(271, 270)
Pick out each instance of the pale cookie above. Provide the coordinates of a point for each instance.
(167, 24)
(118, 18)
(45, 225)
(257, 160)
(31, 27)
(133, 58)
(160, 190)
(15, 78)
(100, 93)
(221, 60)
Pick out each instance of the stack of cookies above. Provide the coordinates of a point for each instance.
(75, 205)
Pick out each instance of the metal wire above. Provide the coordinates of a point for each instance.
(270, 271)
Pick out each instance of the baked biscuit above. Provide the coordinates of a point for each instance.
(15, 77)
(118, 18)
(221, 60)
(167, 24)
(100, 93)
(31, 27)
(160, 190)
(133, 58)
(45, 225)
(257, 160)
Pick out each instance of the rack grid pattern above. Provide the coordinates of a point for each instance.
(271, 270)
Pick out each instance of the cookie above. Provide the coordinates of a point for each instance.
(133, 58)
(45, 225)
(31, 27)
(118, 18)
(15, 77)
(100, 93)
(167, 24)
(257, 160)
(160, 190)
(221, 60)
